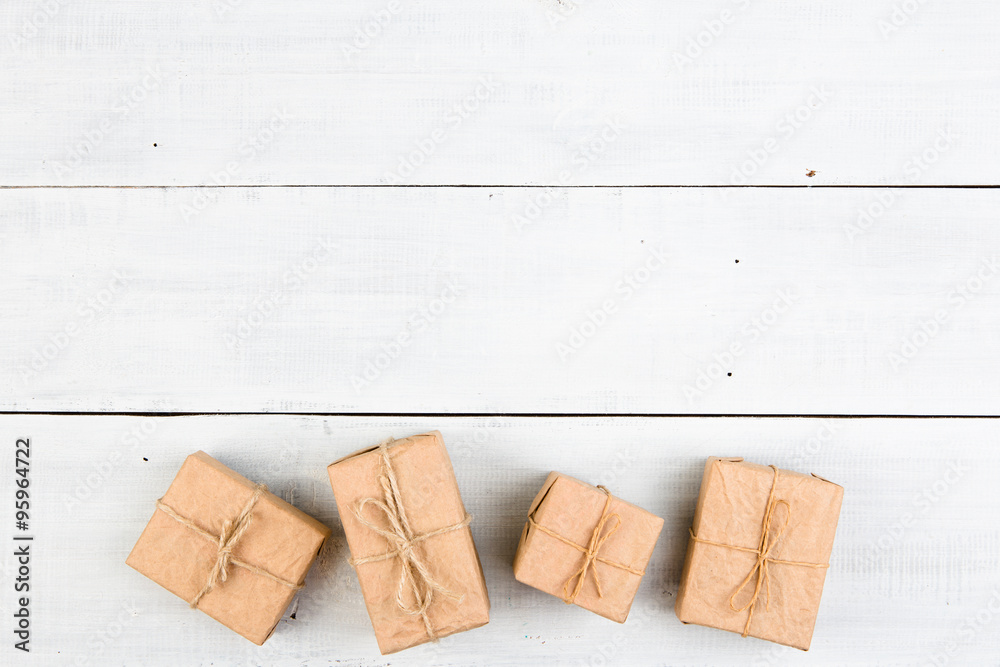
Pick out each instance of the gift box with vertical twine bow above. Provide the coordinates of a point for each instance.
(410, 542)
(228, 547)
(759, 551)
(586, 546)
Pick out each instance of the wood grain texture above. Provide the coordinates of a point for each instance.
(915, 563)
(399, 300)
(113, 92)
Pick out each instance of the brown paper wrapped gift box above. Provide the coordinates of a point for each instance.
(586, 546)
(272, 547)
(759, 551)
(409, 536)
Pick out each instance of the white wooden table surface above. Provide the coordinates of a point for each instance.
(606, 237)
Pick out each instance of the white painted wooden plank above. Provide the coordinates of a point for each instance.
(915, 571)
(442, 300)
(201, 91)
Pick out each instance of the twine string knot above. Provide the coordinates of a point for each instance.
(414, 575)
(227, 539)
(760, 574)
(591, 552)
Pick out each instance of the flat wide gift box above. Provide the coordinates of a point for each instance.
(586, 546)
(228, 547)
(410, 542)
(759, 551)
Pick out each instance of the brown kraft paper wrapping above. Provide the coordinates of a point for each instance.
(742, 578)
(269, 546)
(586, 546)
(411, 547)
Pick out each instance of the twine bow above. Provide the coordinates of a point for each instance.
(591, 551)
(765, 546)
(232, 532)
(414, 575)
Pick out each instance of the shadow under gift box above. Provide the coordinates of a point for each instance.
(568, 510)
(280, 539)
(431, 503)
(735, 580)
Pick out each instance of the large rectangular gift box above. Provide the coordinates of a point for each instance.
(586, 546)
(759, 551)
(410, 542)
(228, 547)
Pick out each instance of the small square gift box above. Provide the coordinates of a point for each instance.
(410, 542)
(586, 546)
(228, 547)
(759, 551)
